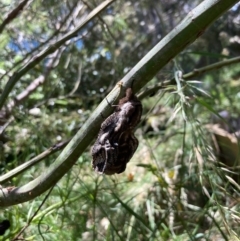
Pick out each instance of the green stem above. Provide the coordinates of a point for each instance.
(196, 72)
(182, 35)
(50, 49)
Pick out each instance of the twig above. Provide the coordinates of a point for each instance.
(50, 49)
(210, 67)
(171, 45)
(36, 212)
(196, 72)
(52, 63)
(78, 81)
(41, 44)
(103, 22)
(13, 14)
(16, 171)
(6, 124)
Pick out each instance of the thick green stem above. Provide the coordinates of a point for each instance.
(182, 35)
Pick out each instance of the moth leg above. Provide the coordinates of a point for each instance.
(120, 84)
(102, 115)
(109, 150)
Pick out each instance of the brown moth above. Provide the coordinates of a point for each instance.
(116, 142)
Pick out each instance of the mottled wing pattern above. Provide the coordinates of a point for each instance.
(116, 142)
(127, 148)
(103, 151)
(103, 158)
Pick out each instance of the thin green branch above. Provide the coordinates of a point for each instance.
(41, 44)
(19, 169)
(182, 35)
(50, 49)
(13, 14)
(210, 67)
(33, 216)
(189, 76)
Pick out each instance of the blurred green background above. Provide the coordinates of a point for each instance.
(179, 185)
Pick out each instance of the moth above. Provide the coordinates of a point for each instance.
(116, 142)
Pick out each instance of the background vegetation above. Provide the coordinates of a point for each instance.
(178, 185)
